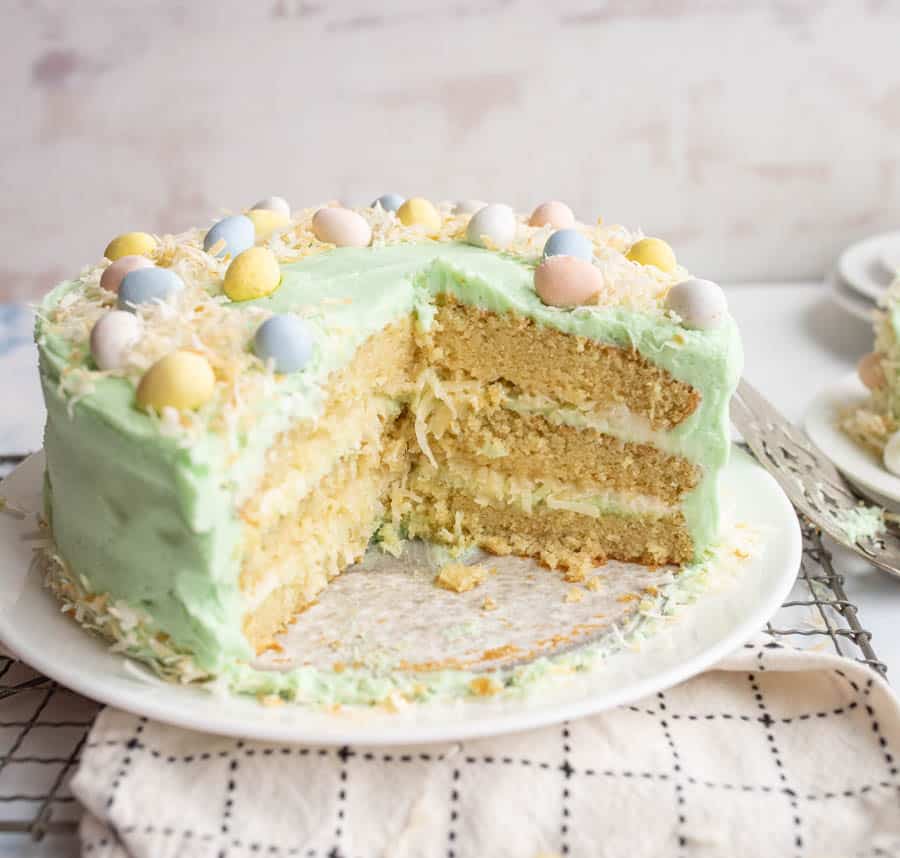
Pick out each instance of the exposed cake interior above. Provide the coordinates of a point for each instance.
(450, 433)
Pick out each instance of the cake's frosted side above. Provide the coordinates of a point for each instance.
(147, 523)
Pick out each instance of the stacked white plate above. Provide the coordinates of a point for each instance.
(863, 273)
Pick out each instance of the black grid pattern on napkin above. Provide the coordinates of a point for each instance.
(569, 767)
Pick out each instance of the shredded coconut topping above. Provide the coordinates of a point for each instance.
(201, 318)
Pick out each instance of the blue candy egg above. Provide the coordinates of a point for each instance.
(144, 285)
(285, 340)
(236, 231)
(389, 202)
(569, 242)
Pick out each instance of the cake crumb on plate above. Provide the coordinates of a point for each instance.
(460, 578)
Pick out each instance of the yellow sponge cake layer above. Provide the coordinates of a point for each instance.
(541, 360)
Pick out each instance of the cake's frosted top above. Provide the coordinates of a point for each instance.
(333, 271)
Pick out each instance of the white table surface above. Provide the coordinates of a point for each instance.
(796, 341)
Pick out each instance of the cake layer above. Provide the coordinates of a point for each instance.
(542, 360)
(531, 446)
(560, 538)
(360, 400)
(289, 559)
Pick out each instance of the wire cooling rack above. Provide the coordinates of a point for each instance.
(43, 726)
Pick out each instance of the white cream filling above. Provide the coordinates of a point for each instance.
(320, 454)
(488, 487)
(619, 421)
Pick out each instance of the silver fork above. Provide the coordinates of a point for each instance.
(811, 482)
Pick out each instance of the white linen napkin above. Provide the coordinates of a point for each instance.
(776, 753)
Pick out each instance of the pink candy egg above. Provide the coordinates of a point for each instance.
(553, 213)
(565, 281)
(341, 227)
(112, 277)
(870, 371)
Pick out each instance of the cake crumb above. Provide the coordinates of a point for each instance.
(460, 578)
(594, 584)
(489, 604)
(499, 652)
(483, 686)
(574, 595)
(628, 597)
(270, 700)
(574, 576)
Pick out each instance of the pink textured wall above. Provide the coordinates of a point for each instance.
(758, 137)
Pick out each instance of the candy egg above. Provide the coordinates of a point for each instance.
(468, 206)
(569, 242)
(870, 371)
(237, 232)
(144, 285)
(418, 211)
(112, 336)
(275, 204)
(266, 222)
(182, 380)
(653, 251)
(130, 244)
(389, 202)
(701, 304)
(254, 273)
(494, 226)
(285, 340)
(553, 213)
(566, 281)
(111, 278)
(341, 227)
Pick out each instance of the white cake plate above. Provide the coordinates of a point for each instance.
(735, 607)
(854, 461)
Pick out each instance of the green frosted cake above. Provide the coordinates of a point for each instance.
(236, 414)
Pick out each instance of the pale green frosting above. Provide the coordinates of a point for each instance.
(153, 522)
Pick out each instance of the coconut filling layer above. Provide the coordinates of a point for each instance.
(421, 451)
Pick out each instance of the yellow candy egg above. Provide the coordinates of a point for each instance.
(182, 380)
(418, 211)
(252, 274)
(130, 244)
(267, 221)
(653, 251)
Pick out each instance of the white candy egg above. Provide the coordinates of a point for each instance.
(892, 454)
(468, 206)
(701, 304)
(494, 226)
(112, 337)
(275, 204)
